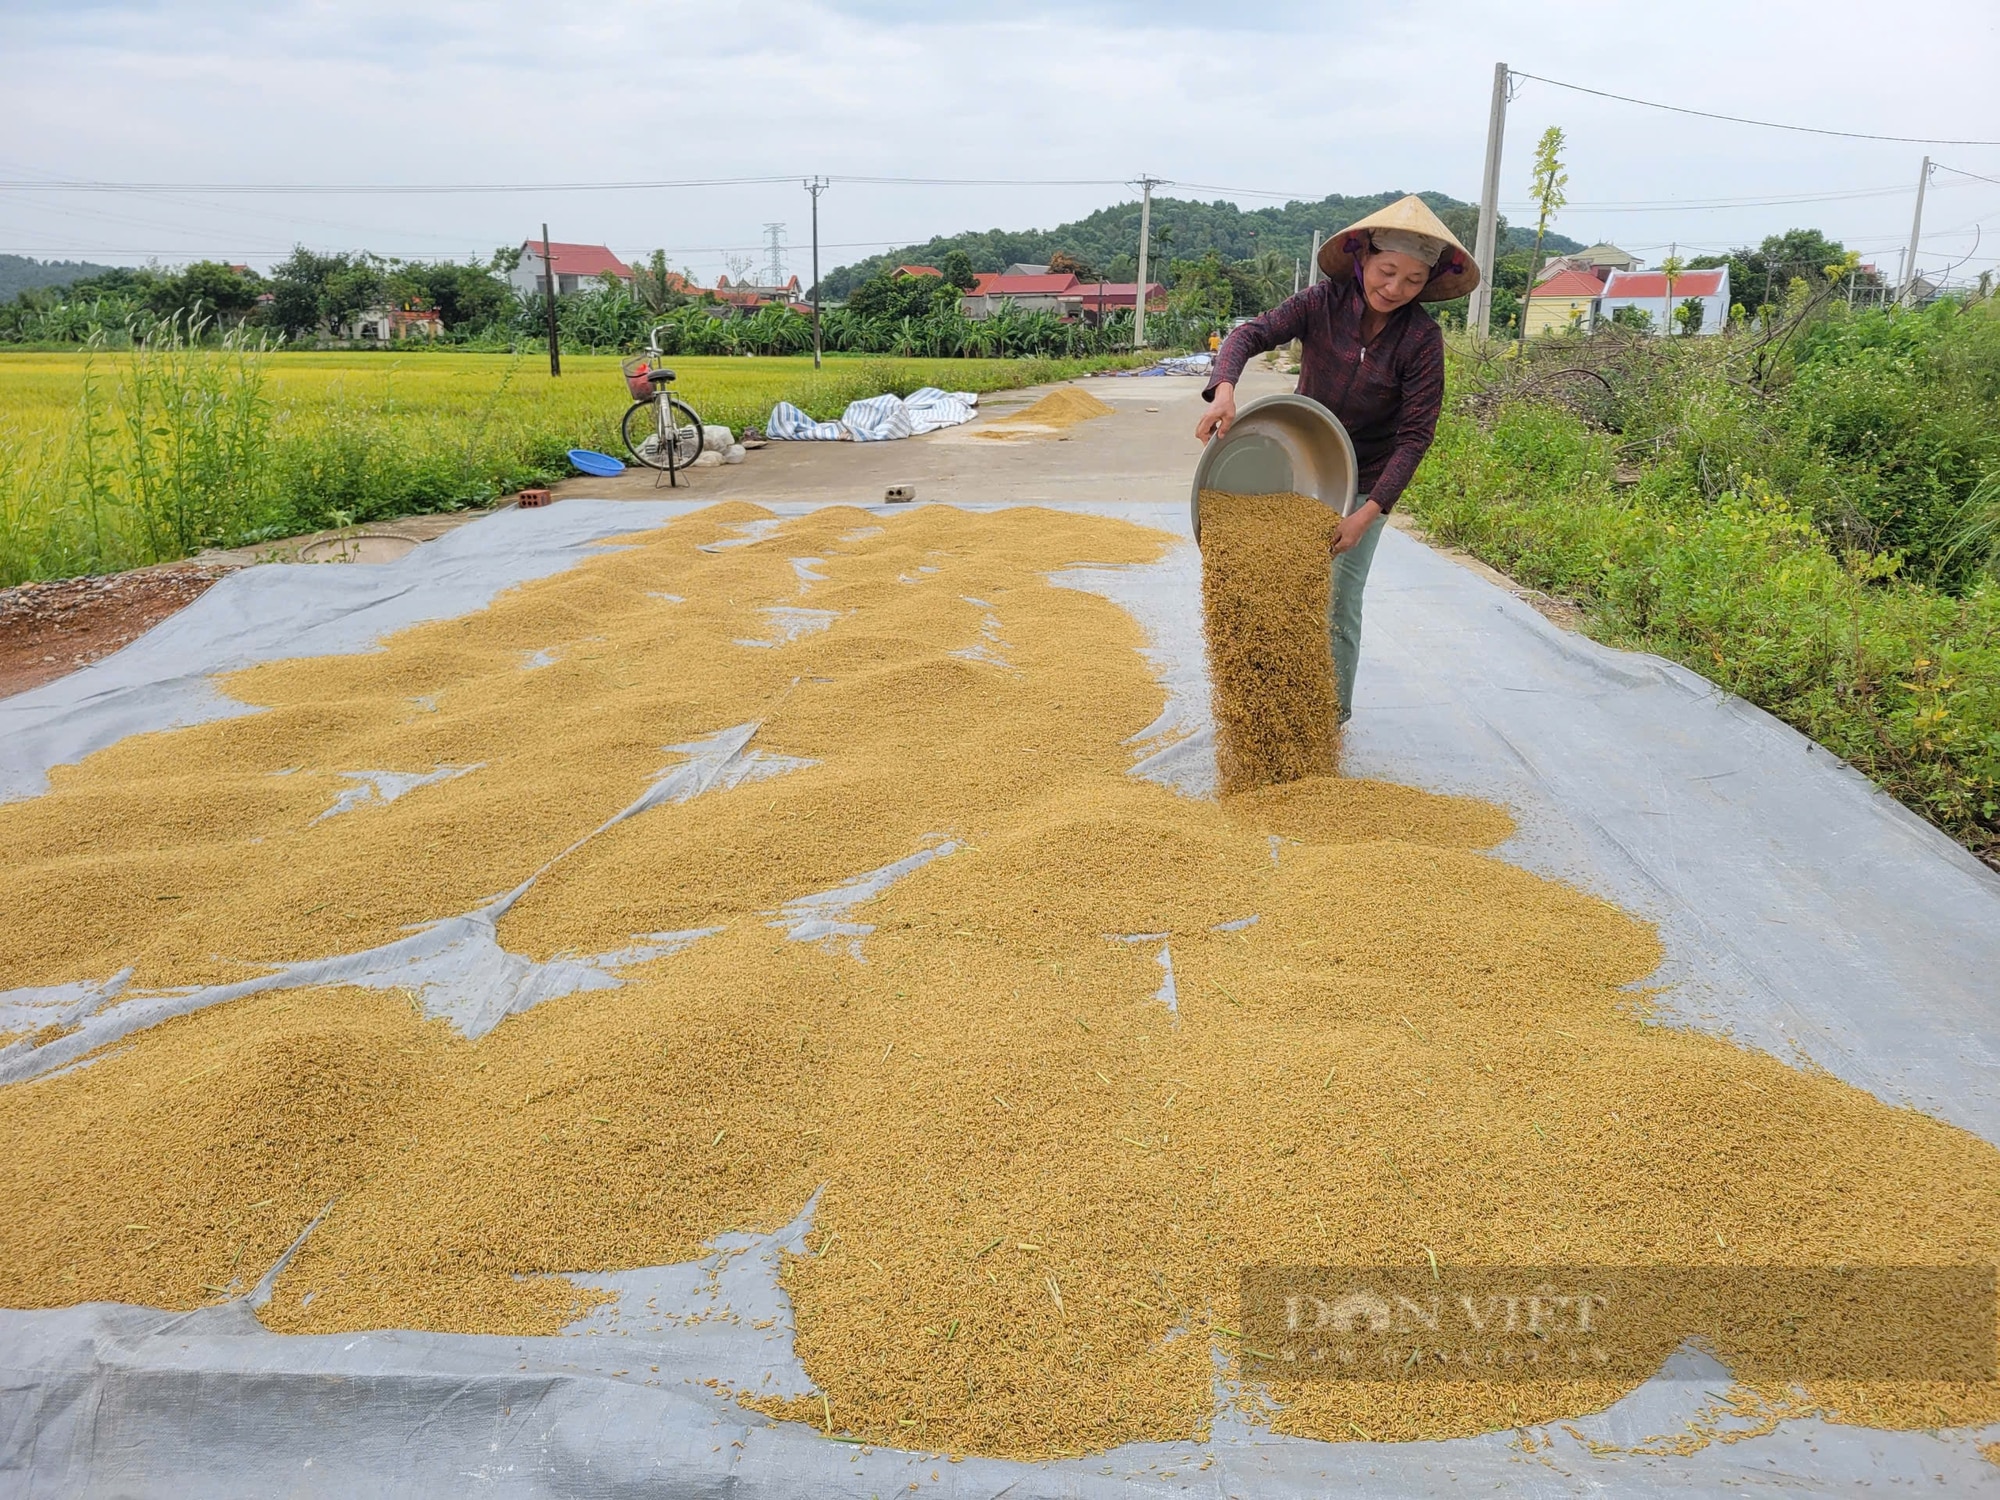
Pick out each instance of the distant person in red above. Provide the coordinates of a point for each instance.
(1375, 359)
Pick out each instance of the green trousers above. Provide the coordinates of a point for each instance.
(1350, 576)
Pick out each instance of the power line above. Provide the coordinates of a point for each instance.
(358, 188)
(1837, 195)
(1960, 171)
(1631, 206)
(990, 181)
(1706, 114)
(409, 189)
(444, 255)
(339, 188)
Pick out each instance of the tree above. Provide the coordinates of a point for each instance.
(1108, 239)
(899, 297)
(657, 289)
(1635, 318)
(1075, 265)
(1547, 192)
(1249, 293)
(464, 296)
(956, 268)
(218, 290)
(355, 285)
(1758, 278)
(1689, 315)
(297, 283)
(1510, 289)
(311, 293)
(1202, 294)
(1463, 221)
(1670, 268)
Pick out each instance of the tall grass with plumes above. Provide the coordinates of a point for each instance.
(165, 452)
(111, 460)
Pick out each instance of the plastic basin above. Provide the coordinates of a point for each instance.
(1276, 445)
(603, 465)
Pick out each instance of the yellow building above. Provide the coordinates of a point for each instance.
(1566, 300)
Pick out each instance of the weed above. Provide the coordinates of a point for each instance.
(1743, 552)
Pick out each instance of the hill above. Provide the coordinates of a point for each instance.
(21, 273)
(1108, 240)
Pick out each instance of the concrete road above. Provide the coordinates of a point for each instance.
(1144, 451)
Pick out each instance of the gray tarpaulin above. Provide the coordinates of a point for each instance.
(1803, 913)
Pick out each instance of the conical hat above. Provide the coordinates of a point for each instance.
(1455, 274)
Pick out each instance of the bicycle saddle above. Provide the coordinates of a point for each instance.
(660, 377)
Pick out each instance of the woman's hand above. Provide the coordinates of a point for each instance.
(1353, 528)
(1220, 416)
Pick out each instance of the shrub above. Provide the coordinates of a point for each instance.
(1748, 548)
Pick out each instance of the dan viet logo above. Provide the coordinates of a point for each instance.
(1619, 1322)
(1371, 1330)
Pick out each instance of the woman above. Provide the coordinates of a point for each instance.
(1375, 359)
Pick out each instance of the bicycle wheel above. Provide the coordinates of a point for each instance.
(687, 431)
(656, 444)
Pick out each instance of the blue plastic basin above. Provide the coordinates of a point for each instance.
(603, 465)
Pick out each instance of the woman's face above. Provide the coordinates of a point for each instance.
(1389, 279)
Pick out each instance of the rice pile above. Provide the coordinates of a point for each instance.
(1039, 1180)
(1266, 571)
(1058, 411)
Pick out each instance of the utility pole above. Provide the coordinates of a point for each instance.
(1916, 233)
(549, 296)
(816, 187)
(1145, 238)
(1479, 314)
(1313, 273)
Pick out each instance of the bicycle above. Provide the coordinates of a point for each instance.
(661, 431)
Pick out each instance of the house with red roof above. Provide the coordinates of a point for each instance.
(576, 267)
(1564, 301)
(1058, 292)
(749, 295)
(1648, 291)
(1103, 298)
(902, 271)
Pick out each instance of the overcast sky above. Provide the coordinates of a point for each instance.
(1296, 99)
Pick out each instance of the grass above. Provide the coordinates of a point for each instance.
(112, 460)
(1751, 586)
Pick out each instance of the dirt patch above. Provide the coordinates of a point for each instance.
(1266, 573)
(49, 629)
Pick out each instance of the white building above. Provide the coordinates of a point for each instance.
(1647, 291)
(577, 267)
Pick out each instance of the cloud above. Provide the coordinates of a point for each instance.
(1288, 97)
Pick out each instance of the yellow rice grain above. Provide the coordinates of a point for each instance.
(1265, 579)
(1416, 1049)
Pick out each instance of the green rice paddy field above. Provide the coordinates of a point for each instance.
(110, 460)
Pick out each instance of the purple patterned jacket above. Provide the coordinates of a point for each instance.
(1387, 394)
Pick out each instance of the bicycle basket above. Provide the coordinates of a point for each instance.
(636, 370)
